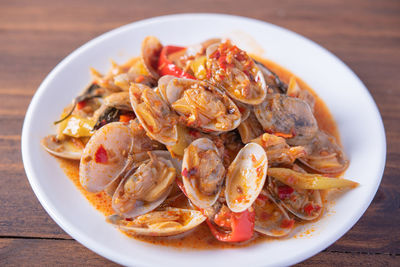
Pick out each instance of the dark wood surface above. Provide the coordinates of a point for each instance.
(36, 35)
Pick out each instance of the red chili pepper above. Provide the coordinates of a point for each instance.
(242, 227)
(167, 67)
(101, 155)
(81, 104)
(285, 191)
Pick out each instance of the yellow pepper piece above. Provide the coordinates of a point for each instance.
(308, 181)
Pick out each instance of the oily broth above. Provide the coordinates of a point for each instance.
(201, 237)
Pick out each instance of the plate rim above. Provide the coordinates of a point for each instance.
(85, 240)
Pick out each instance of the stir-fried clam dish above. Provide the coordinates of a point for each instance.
(204, 134)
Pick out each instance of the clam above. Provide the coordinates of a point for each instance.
(202, 105)
(272, 80)
(119, 100)
(244, 110)
(145, 188)
(324, 155)
(203, 172)
(151, 49)
(162, 86)
(68, 148)
(200, 48)
(288, 117)
(278, 151)
(154, 114)
(303, 203)
(245, 177)
(142, 142)
(171, 221)
(234, 71)
(105, 156)
(271, 218)
(124, 80)
(250, 129)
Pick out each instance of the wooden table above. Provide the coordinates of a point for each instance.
(36, 35)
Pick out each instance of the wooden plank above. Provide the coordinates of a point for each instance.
(351, 259)
(39, 252)
(34, 252)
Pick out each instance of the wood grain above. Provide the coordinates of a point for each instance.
(35, 36)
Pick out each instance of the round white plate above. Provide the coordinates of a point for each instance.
(356, 114)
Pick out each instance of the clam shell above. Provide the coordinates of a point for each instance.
(151, 49)
(334, 160)
(303, 196)
(116, 138)
(198, 198)
(168, 135)
(250, 129)
(63, 149)
(119, 100)
(182, 220)
(176, 88)
(270, 217)
(162, 86)
(287, 115)
(257, 83)
(127, 210)
(246, 177)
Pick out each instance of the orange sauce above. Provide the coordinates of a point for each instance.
(201, 237)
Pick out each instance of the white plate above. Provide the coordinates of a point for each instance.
(352, 106)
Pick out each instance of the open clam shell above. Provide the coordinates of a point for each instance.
(202, 105)
(324, 155)
(250, 129)
(105, 156)
(303, 203)
(154, 114)
(202, 172)
(119, 100)
(287, 116)
(162, 86)
(172, 221)
(151, 49)
(271, 218)
(145, 188)
(241, 78)
(67, 148)
(246, 177)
